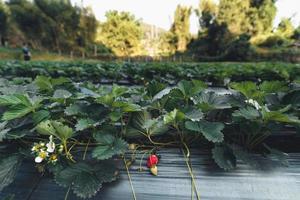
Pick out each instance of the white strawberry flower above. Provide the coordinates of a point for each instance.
(38, 159)
(35, 148)
(41, 156)
(50, 145)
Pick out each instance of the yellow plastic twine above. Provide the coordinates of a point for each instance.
(129, 178)
(186, 158)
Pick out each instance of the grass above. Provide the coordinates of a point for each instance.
(16, 54)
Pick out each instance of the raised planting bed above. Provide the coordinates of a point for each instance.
(269, 181)
(79, 132)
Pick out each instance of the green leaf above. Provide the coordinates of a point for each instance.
(86, 179)
(245, 156)
(194, 115)
(83, 124)
(162, 93)
(9, 166)
(63, 132)
(43, 83)
(278, 117)
(39, 116)
(173, 117)
(212, 131)
(247, 113)
(293, 98)
(277, 155)
(48, 84)
(105, 129)
(142, 124)
(224, 157)
(16, 111)
(249, 90)
(86, 185)
(269, 87)
(118, 91)
(207, 101)
(60, 81)
(10, 100)
(19, 106)
(55, 128)
(126, 106)
(110, 146)
(106, 100)
(191, 88)
(198, 86)
(154, 87)
(115, 116)
(17, 134)
(46, 128)
(61, 94)
(75, 109)
(3, 130)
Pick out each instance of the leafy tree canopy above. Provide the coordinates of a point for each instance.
(121, 32)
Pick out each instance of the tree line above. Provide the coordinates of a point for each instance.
(233, 29)
(51, 24)
(229, 29)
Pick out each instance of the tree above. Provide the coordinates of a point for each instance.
(239, 49)
(167, 43)
(285, 28)
(3, 22)
(296, 34)
(88, 27)
(181, 27)
(234, 14)
(207, 13)
(253, 17)
(53, 24)
(230, 25)
(29, 20)
(121, 32)
(261, 16)
(62, 21)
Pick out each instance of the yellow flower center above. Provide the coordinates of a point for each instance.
(53, 157)
(43, 155)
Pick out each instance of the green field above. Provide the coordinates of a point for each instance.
(216, 73)
(73, 114)
(16, 54)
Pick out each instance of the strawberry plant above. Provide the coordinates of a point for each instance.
(143, 73)
(77, 131)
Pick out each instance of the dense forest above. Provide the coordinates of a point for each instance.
(229, 30)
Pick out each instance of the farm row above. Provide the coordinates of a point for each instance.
(75, 129)
(141, 73)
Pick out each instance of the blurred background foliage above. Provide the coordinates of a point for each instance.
(229, 30)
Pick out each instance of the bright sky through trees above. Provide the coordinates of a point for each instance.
(161, 12)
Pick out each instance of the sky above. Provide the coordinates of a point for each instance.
(161, 12)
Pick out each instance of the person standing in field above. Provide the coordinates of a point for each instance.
(26, 52)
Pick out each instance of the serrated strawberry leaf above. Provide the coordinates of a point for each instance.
(110, 146)
(9, 166)
(86, 179)
(224, 157)
(212, 131)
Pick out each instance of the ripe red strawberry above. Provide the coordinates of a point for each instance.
(152, 161)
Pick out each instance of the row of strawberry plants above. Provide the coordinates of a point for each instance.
(139, 73)
(75, 130)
